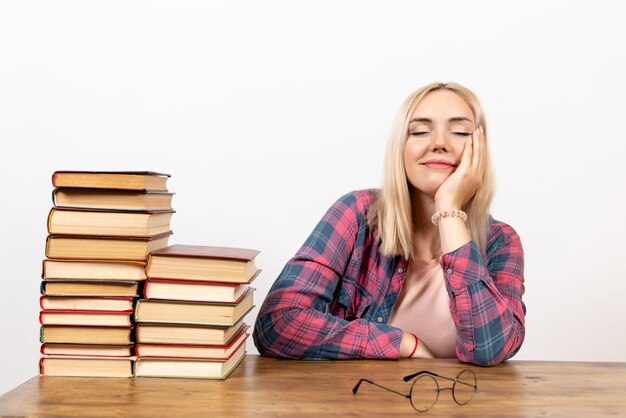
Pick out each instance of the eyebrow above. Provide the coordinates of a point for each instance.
(454, 119)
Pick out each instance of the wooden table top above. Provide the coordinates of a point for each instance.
(270, 387)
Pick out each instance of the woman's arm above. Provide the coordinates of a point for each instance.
(295, 320)
(486, 296)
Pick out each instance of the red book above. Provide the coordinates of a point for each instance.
(86, 318)
(207, 352)
(194, 291)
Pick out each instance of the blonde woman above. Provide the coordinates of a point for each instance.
(416, 269)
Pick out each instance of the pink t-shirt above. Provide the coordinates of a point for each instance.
(423, 308)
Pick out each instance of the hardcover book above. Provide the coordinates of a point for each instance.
(86, 366)
(87, 350)
(125, 180)
(108, 223)
(93, 269)
(187, 334)
(86, 303)
(189, 368)
(194, 291)
(89, 288)
(204, 263)
(85, 335)
(207, 352)
(112, 199)
(104, 247)
(86, 318)
(193, 312)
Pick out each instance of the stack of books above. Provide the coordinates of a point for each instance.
(101, 229)
(190, 322)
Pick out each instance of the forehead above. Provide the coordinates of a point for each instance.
(442, 104)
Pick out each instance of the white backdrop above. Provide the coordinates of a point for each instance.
(266, 112)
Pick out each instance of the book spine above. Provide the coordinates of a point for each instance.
(49, 222)
(41, 302)
(43, 269)
(41, 335)
(41, 371)
(48, 246)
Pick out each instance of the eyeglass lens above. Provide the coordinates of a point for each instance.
(424, 393)
(464, 387)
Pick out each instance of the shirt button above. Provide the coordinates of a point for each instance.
(400, 270)
(380, 319)
(449, 271)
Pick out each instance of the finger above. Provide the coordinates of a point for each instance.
(466, 157)
(482, 156)
(477, 138)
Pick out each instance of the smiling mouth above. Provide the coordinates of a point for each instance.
(438, 165)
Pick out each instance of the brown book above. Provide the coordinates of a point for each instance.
(193, 312)
(125, 180)
(187, 334)
(107, 222)
(109, 247)
(209, 352)
(90, 350)
(89, 288)
(93, 269)
(86, 318)
(86, 303)
(69, 334)
(198, 262)
(188, 368)
(111, 199)
(86, 366)
(193, 291)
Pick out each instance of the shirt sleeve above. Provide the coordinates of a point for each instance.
(295, 320)
(486, 297)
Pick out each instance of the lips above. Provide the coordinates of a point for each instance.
(438, 164)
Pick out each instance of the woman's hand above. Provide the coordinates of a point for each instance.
(459, 188)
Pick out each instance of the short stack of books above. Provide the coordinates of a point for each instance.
(101, 229)
(191, 321)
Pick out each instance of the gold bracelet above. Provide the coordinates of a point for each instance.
(446, 214)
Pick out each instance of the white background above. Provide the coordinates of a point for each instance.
(266, 112)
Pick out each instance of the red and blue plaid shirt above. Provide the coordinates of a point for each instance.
(334, 297)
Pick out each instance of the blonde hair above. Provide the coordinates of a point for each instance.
(391, 214)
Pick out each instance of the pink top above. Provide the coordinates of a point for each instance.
(423, 308)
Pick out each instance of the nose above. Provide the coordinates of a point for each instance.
(440, 142)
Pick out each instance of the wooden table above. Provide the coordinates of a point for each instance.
(269, 387)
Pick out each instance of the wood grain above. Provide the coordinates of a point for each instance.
(269, 387)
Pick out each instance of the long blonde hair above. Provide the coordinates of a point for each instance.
(391, 214)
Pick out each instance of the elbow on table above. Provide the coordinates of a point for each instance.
(268, 338)
(487, 356)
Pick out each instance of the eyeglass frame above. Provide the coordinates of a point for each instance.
(432, 376)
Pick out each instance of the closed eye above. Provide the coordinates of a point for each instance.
(418, 133)
(462, 133)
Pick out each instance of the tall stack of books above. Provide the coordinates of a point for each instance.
(101, 229)
(191, 320)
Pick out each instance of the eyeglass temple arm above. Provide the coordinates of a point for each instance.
(414, 375)
(356, 388)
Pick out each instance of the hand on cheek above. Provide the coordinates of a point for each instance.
(458, 189)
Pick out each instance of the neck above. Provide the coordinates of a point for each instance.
(426, 242)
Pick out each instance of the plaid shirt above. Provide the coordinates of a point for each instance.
(334, 297)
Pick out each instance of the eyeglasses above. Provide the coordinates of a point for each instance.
(425, 389)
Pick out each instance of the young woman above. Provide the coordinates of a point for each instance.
(416, 269)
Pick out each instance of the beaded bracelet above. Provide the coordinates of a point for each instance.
(446, 214)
